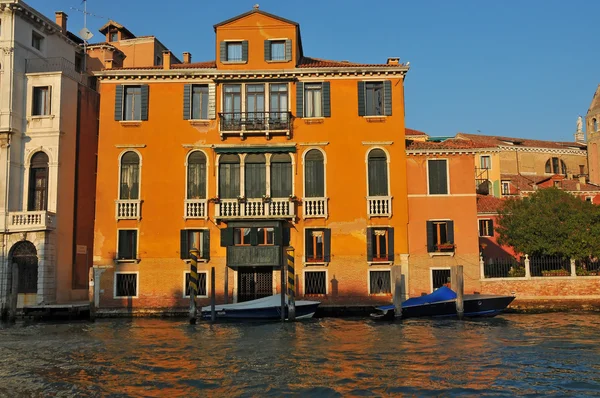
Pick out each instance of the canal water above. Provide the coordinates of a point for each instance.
(515, 354)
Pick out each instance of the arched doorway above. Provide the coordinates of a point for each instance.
(24, 255)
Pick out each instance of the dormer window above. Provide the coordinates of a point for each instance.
(234, 51)
(114, 36)
(278, 50)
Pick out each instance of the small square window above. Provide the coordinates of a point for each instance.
(486, 228)
(126, 284)
(114, 36)
(234, 51)
(278, 50)
(380, 282)
(41, 101)
(589, 199)
(440, 237)
(315, 282)
(127, 245)
(266, 236)
(202, 285)
(37, 41)
(439, 278)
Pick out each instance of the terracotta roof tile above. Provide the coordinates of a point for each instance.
(194, 65)
(307, 62)
(489, 204)
(414, 132)
(433, 145)
(494, 141)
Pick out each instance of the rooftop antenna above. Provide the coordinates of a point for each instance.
(85, 33)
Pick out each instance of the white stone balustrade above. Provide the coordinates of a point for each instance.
(379, 206)
(128, 209)
(255, 208)
(31, 221)
(314, 207)
(195, 208)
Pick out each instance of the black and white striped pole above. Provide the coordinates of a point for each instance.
(193, 284)
(291, 284)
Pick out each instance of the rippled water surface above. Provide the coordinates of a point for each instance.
(546, 354)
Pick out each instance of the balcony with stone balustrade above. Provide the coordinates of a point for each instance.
(27, 221)
(274, 208)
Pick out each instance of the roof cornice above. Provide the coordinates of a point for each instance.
(565, 151)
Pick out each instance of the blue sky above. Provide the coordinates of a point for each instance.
(512, 68)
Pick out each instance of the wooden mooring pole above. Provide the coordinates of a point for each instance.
(459, 287)
(92, 294)
(193, 285)
(213, 314)
(291, 284)
(398, 294)
(283, 289)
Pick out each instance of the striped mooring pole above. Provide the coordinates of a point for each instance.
(291, 284)
(193, 284)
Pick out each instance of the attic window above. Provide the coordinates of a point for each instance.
(114, 36)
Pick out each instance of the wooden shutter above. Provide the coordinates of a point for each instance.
(123, 250)
(308, 244)
(286, 236)
(369, 244)
(206, 244)
(212, 89)
(327, 245)
(119, 102)
(326, 100)
(288, 50)
(278, 236)
(187, 101)
(267, 50)
(438, 178)
(144, 89)
(254, 236)
(245, 50)
(223, 51)
(361, 98)
(491, 231)
(299, 99)
(134, 245)
(183, 245)
(450, 231)
(226, 237)
(387, 98)
(430, 237)
(390, 254)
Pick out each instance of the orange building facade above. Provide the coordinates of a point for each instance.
(243, 158)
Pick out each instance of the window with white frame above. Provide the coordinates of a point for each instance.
(234, 51)
(315, 283)
(199, 101)
(378, 173)
(380, 282)
(41, 101)
(198, 239)
(126, 284)
(277, 50)
(132, 109)
(314, 174)
(130, 176)
(229, 176)
(202, 284)
(439, 278)
(313, 100)
(485, 162)
(380, 244)
(127, 244)
(196, 175)
(505, 187)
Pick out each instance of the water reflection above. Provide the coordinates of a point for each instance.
(509, 355)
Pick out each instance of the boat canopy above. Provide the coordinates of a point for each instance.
(442, 294)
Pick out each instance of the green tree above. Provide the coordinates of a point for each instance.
(550, 222)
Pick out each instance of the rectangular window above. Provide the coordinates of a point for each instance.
(133, 103)
(380, 244)
(126, 284)
(380, 282)
(317, 245)
(374, 98)
(439, 278)
(199, 101)
(232, 106)
(234, 51)
(278, 106)
(37, 41)
(315, 282)
(241, 236)
(589, 199)
(313, 100)
(486, 228)
(114, 36)
(581, 169)
(198, 239)
(440, 236)
(255, 106)
(41, 101)
(266, 236)
(202, 284)
(505, 187)
(127, 244)
(278, 50)
(485, 162)
(438, 176)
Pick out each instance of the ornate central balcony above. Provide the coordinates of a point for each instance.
(128, 209)
(267, 123)
(22, 221)
(379, 206)
(314, 207)
(255, 208)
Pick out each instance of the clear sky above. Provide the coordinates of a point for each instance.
(522, 68)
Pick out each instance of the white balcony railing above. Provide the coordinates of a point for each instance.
(314, 207)
(128, 209)
(379, 206)
(195, 208)
(255, 208)
(31, 221)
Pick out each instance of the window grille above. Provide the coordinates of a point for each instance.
(315, 282)
(380, 282)
(126, 285)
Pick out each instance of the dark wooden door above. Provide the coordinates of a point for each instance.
(254, 283)
(25, 256)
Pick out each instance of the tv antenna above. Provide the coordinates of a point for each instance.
(85, 33)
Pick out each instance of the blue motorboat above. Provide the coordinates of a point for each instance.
(442, 303)
(266, 308)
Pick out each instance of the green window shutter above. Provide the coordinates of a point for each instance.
(387, 98)
(267, 50)
(390, 244)
(430, 237)
(254, 236)
(119, 102)
(134, 245)
(223, 51)
(286, 236)
(326, 100)
(361, 98)
(187, 94)
(299, 99)
(369, 244)
(123, 248)
(288, 50)
(450, 231)
(144, 89)
(212, 102)
(183, 245)
(206, 244)
(327, 245)
(308, 243)
(491, 228)
(245, 51)
(278, 236)
(226, 237)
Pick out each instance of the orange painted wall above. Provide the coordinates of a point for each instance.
(460, 206)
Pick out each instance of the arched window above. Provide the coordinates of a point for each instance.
(556, 166)
(130, 176)
(378, 176)
(38, 182)
(281, 175)
(314, 174)
(229, 176)
(196, 176)
(255, 176)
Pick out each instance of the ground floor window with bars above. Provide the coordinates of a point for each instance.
(202, 285)
(380, 282)
(315, 282)
(126, 284)
(439, 278)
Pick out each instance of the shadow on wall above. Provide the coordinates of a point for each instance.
(491, 249)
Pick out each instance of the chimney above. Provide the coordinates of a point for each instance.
(578, 186)
(61, 20)
(393, 61)
(187, 58)
(108, 64)
(582, 180)
(166, 59)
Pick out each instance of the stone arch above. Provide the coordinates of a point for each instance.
(24, 254)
